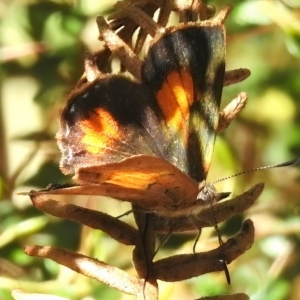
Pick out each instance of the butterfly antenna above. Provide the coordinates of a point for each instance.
(284, 164)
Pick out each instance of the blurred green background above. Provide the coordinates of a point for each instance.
(42, 47)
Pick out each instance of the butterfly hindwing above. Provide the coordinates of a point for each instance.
(108, 121)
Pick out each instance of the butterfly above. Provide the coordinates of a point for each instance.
(150, 141)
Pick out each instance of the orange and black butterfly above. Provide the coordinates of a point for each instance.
(150, 142)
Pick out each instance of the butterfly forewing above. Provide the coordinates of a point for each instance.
(185, 69)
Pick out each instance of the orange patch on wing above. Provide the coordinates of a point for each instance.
(98, 130)
(147, 174)
(188, 86)
(175, 98)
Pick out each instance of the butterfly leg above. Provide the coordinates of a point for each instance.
(163, 240)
